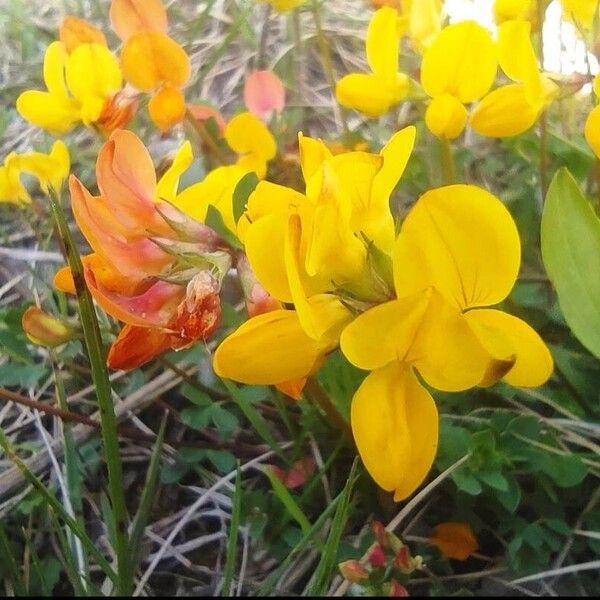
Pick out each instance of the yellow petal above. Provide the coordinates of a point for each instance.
(446, 117)
(424, 22)
(506, 10)
(515, 51)
(384, 333)
(51, 169)
(461, 61)
(55, 60)
(582, 12)
(269, 349)
(215, 189)
(395, 424)
(312, 155)
(383, 43)
(11, 188)
(448, 355)
(592, 130)
(150, 59)
(247, 134)
(503, 334)
(268, 198)
(314, 322)
(371, 94)
(92, 75)
(461, 240)
(505, 112)
(47, 111)
(167, 107)
(169, 182)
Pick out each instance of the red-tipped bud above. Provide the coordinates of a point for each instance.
(380, 533)
(377, 557)
(397, 590)
(353, 571)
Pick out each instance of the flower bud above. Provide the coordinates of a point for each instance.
(377, 557)
(45, 330)
(353, 571)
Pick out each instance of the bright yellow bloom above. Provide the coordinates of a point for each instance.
(508, 10)
(375, 93)
(458, 68)
(249, 137)
(512, 109)
(423, 20)
(320, 245)
(581, 12)
(80, 85)
(50, 170)
(458, 252)
(284, 5)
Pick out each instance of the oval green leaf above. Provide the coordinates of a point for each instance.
(571, 254)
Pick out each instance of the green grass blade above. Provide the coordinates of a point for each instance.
(73, 525)
(232, 542)
(110, 438)
(148, 495)
(288, 501)
(329, 554)
(10, 565)
(256, 419)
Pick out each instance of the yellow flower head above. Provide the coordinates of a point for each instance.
(512, 109)
(50, 170)
(458, 68)
(508, 10)
(375, 93)
(284, 5)
(79, 86)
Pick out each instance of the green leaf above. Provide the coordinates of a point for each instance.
(571, 253)
(566, 471)
(493, 479)
(225, 422)
(243, 189)
(223, 460)
(511, 497)
(196, 418)
(215, 221)
(466, 482)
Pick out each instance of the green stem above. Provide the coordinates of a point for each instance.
(319, 397)
(448, 170)
(206, 138)
(110, 437)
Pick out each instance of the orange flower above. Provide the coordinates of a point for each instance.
(151, 61)
(152, 267)
(75, 31)
(454, 540)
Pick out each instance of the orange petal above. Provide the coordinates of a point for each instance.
(128, 17)
(152, 306)
(117, 112)
(136, 258)
(150, 59)
(74, 31)
(454, 539)
(135, 346)
(264, 94)
(203, 112)
(292, 388)
(167, 107)
(63, 281)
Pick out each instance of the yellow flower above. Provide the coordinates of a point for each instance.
(581, 12)
(319, 245)
(512, 109)
(79, 86)
(249, 137)
(423, 20)
(508, 10)
(375, 93)
(457, 253)
(50, 170)
(458, 68)
(284, 5)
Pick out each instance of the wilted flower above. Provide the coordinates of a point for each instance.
(44, 329)
(152, 267)
(454, 540)
(264, 94)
